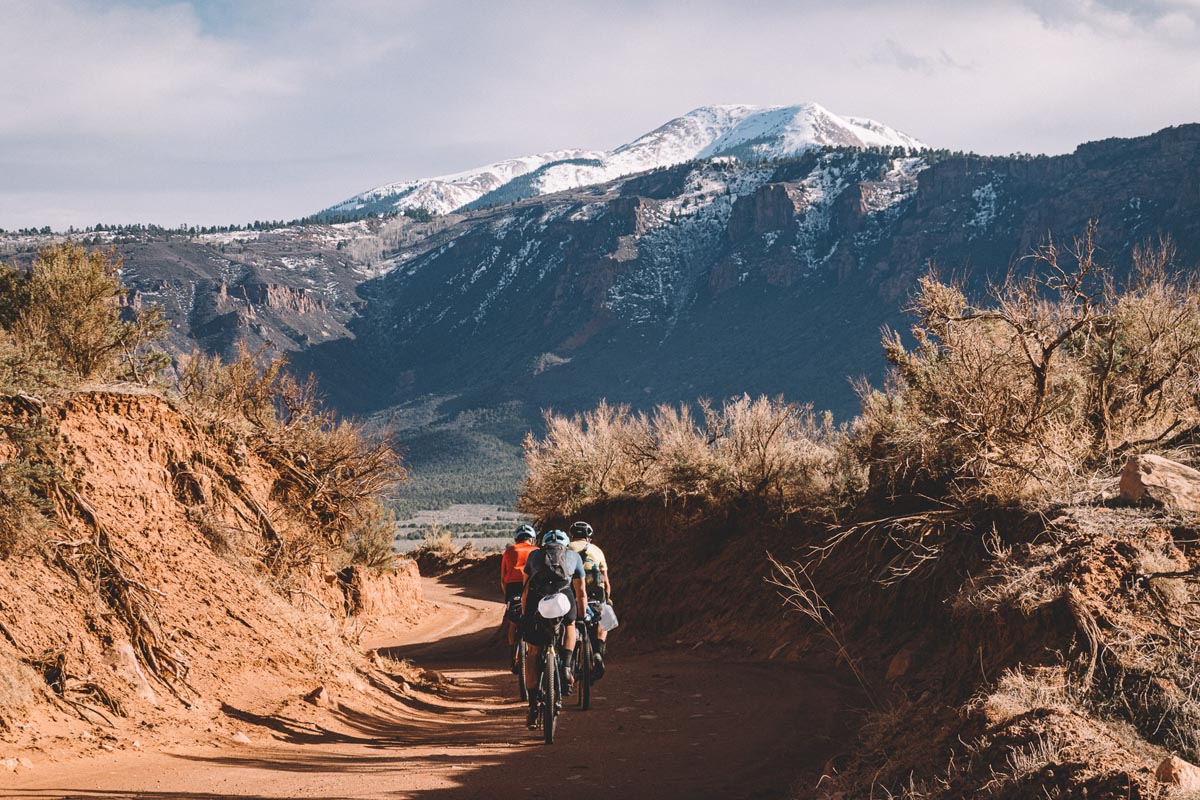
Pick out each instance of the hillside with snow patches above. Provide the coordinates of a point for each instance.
(748, 133)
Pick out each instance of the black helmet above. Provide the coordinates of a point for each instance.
(581, 530)
(525, 533)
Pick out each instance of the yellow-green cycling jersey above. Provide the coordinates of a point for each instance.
(594, 563)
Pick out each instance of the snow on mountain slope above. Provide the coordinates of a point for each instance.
(445, 193)
(748, 133)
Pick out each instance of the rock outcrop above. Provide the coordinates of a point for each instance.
(1183, 776)
(1154, 479)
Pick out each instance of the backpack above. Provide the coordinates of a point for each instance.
(591, 569)
(555, 575)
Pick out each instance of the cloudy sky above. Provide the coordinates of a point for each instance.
(215, 111)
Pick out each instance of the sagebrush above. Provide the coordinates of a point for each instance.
(763, 448)
(1058, 374)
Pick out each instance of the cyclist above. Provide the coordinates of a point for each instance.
(553, 568)
(597, 581)
(512, 577)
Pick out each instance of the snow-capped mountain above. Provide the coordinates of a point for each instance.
(748, 133)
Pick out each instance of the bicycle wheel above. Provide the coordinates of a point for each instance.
(583, 676)
(522, 655)
(549, 695)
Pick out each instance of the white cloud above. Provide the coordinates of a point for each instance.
(121, 71)
(236, 109)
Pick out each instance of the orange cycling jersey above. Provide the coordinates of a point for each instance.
(512, 565)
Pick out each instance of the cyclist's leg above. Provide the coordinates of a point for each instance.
(599, 634)
(532, 666)
(511, 591)
(571, 637)
(532, 669)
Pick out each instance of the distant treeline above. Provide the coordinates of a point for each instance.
(137, 230)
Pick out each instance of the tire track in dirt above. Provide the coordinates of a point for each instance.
(663, 724)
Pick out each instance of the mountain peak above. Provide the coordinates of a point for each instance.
(746, 132)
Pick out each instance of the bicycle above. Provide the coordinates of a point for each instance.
(550, 682)
(582, 665)
(520, 652)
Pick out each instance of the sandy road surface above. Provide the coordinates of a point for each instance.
(663, 725)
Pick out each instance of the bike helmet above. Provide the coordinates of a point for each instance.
(525, 533)
(581, 530)
(554, 537)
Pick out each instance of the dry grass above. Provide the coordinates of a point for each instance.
(1027, 760)
(1021, 690)
(370, 541)
(763, 449)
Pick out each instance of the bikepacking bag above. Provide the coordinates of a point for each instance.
(608, 617)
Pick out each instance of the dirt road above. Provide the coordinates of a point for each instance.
(663, 725)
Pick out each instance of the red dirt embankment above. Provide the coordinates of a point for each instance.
(181, 512)
(701, 579)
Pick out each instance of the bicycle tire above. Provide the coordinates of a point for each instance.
(550, 696)
(577, 663)
(522, 655)
(584, 676)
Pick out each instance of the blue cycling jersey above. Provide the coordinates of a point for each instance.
(537, 562)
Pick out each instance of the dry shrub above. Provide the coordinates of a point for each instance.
(762, 449)
(332, 473)
(1058, 374)
(437, 554)
(28, 367)
(23, 521)
(70, 312)
(582, 458)
(781, 451)
(370, 542)
(239, 394)
(436, 539)
(34, 470)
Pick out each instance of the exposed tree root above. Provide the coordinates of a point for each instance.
(117, 579)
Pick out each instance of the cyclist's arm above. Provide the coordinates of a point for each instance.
(504, 560)
(524, 597)
(580, 597)
(608, 587)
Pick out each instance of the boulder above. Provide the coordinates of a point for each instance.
(900, 665)
(1177, 772)
(319, 697)
(1154, 479)
(123, 661)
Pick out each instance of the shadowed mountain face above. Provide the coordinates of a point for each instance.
(716, 277)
